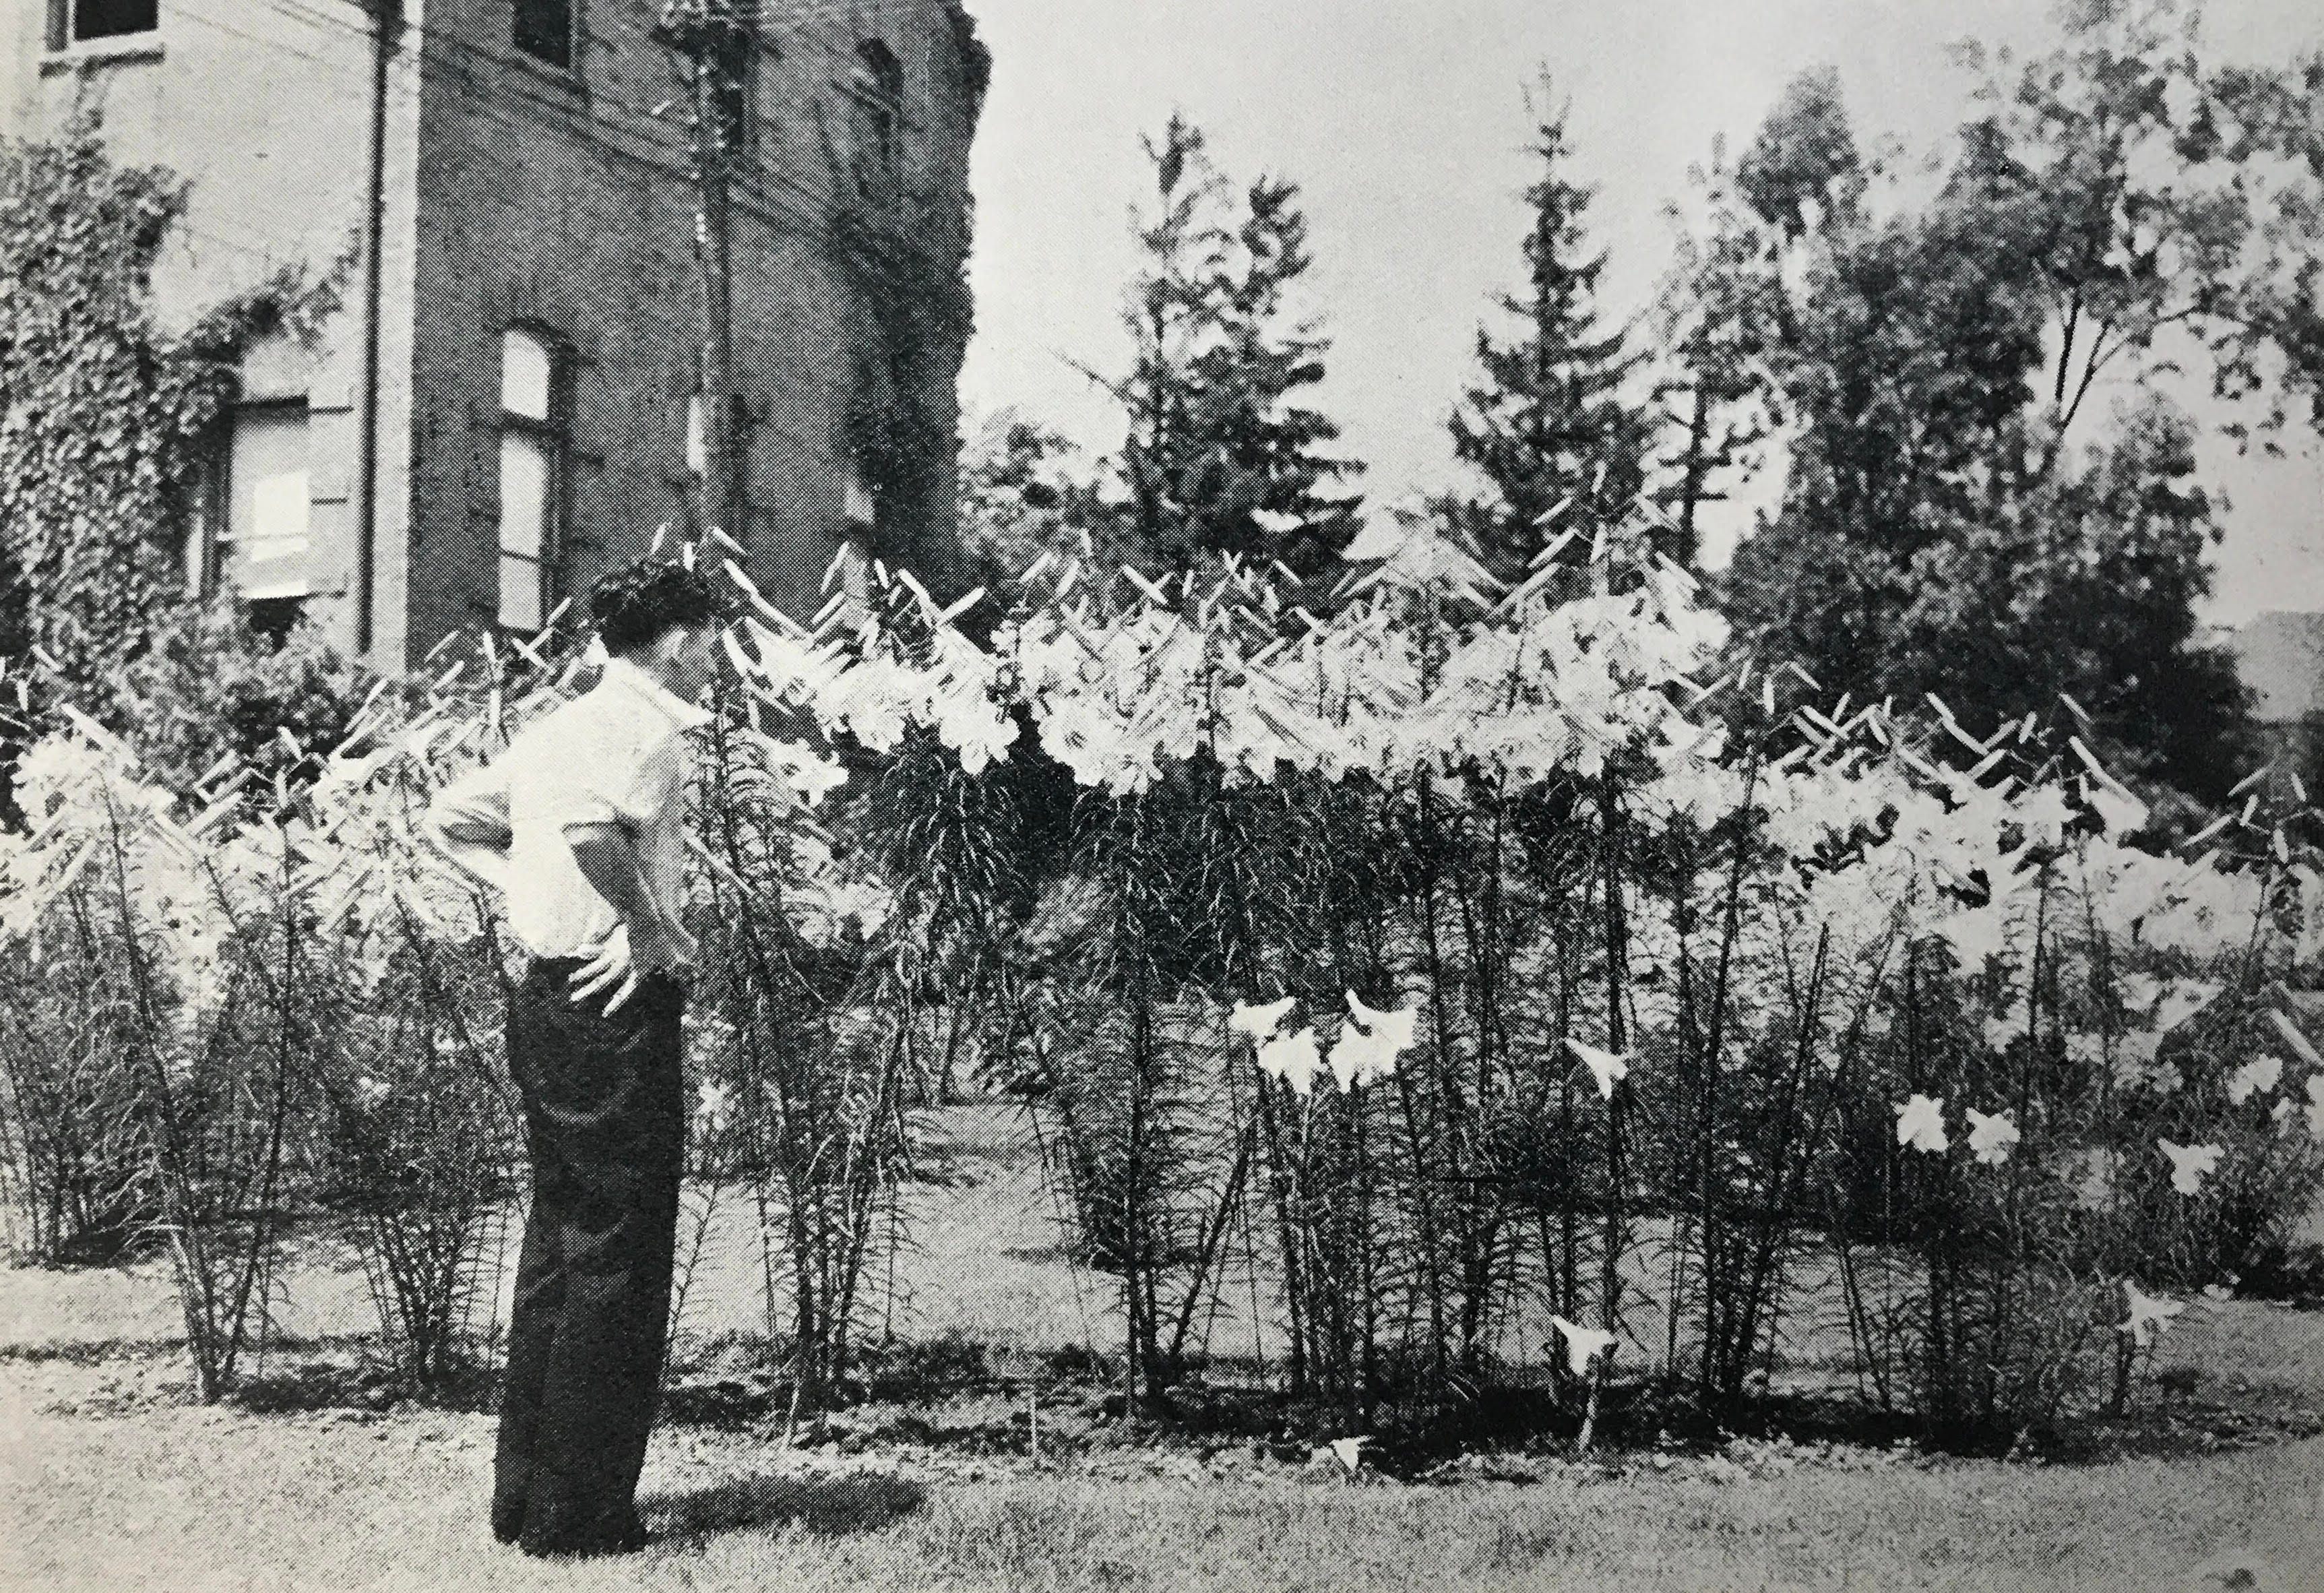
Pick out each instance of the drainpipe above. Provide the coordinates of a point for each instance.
(386, 25)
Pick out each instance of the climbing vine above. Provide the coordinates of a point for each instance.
(922, 310)
(915, 291)
(107, 414)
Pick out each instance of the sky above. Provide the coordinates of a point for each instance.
(1405, 123)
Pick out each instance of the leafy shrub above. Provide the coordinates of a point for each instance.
(419, 1142)
(72, 1150)
(208, 687)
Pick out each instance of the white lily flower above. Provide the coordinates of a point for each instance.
(2149, 1313)
(2259, 1076)
(1261, 1022)
(1582, 1345)
(1920, 1124)
(2190, 1165)
(1294, 1059)
(1991, 1137)
(2121, 812)
(1370, 1042)
(2181, 1001)
(1394, 1028)
(715, 1102)
(1359, 1058)
(1605, 1066)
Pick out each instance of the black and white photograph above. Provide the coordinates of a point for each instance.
(1242, 796)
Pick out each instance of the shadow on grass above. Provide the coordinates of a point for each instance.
(822, 1506)
(730, 1404)
(90, 1352)
(362, 1380)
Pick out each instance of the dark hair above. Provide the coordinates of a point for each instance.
(636, 607)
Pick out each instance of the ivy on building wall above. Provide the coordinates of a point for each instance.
(106, 417)
(899, 427)
(914, 287)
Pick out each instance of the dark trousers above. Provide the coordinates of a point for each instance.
(606, 1124)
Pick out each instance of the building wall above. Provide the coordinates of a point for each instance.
(262, 107)
(521, 195)
(259, 104)
(561, 202)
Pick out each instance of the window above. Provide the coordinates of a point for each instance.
(263, 548)
(531, 468)
(877, 87)
(544, 30)
(78, 22)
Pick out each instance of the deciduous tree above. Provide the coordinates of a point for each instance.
(1957, 518)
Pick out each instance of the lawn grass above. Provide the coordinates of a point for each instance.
(109, 1482)
(184, 1499)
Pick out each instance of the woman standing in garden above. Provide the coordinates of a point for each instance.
(577, 826)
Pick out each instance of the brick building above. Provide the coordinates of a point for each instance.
(506, 402)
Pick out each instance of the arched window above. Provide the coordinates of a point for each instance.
(877, 89)
(532, 466)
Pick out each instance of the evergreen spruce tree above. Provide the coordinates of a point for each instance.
(1720, 328)
(1549, 423)
(1225, 453)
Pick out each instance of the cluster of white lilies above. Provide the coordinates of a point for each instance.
(1415, 670)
